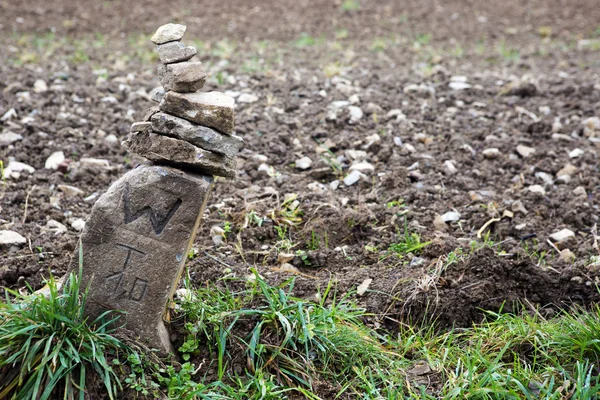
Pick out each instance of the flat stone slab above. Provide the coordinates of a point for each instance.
(175, 152)
(174, 52)
(198, 135)
(135, 244)
(168, 33)
(212, 109)
(184, 77)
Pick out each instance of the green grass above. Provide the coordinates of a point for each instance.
(47, 348)
(288, 344)
(407, 242)
(248, 339)
(350, 5)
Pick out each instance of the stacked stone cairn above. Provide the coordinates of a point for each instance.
(188, 129)
(135, 243)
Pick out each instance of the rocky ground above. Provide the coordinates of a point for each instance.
(441, 158)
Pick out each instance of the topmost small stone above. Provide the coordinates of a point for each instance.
(168, 33)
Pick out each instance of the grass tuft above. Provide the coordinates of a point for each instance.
(46, 348)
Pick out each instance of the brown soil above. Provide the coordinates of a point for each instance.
(537, 58)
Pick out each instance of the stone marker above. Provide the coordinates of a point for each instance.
(212, 109)
(136, 243)
(182, 77)
(174, 52)
(179, 153)
(139, 233)
(168, 33)
(201, 136)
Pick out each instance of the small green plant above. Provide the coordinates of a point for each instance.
(305, 40)
(193, 253)
(379, 45)
(341, 34)
(350, 5)
(226, 228)
(424, 39)
(2, 173)
(47, 349)
(314, 242)
(253, 218)
(407, 243)
(508, 53)
(304, 257)
(288, 213)
(395, 203)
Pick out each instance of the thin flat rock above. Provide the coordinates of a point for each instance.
(184, 77)
(174, 52)
(198, 135)
(212, 109)
(175, 152)
(168, 33)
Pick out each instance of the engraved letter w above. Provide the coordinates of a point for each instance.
(157, 224)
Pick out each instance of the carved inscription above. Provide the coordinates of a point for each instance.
(157, 223)
(138, 289)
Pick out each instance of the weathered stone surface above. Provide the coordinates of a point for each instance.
(150, 112)
(163, 149)
(174, 52)
(212, 109)
(140, 126)
(182, 77)
(157, 94)
(168, 33)
(135, 245)
(198, 135)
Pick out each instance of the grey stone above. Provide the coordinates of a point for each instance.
(168, 33)
(174, 52)
(11, 238)
(135, 245)
(150, 112)
(451, 216)
(198, 135)
(157, 94)
(163, 149)
(212, 109)
(55, 159)
(182, 77)
(562, 235)
(141, 126)
(303, 163)
(9, 137)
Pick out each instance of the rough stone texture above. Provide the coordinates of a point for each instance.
(212, 109)
(168, 33)
(198, 135)
(157, 94)
(174, 52)
(150, 112)
(182, 77)
(135, 245)
(140, 126)
(175, 152)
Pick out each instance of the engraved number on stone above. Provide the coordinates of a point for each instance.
(138, 289)
(158, 224)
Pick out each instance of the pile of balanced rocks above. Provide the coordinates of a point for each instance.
(189, 129)
(137, 238)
